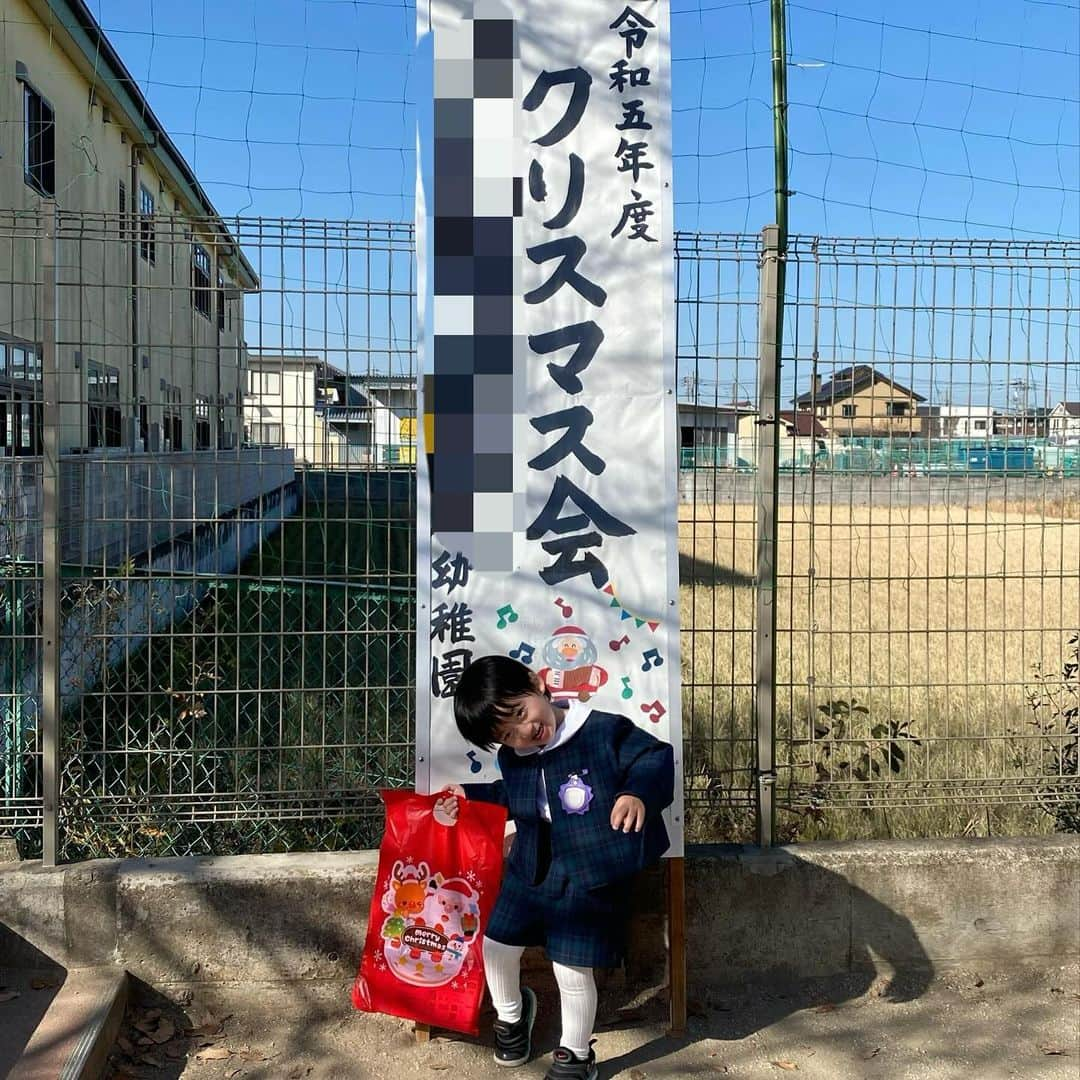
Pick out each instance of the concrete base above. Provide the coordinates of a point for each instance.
(75, 1036)
(796, 912)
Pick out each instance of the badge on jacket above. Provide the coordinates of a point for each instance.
(575, 795)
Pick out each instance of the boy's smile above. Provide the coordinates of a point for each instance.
(530, 722)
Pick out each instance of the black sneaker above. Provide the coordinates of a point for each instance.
(513, 1042)
(566, 1065)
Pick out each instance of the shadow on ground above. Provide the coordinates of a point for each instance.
(694, 570)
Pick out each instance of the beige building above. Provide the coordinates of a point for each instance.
(861, 402)
(150, 283)
(327, 417)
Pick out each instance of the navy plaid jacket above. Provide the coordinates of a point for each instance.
(614, 758)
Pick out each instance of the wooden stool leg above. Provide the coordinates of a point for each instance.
(676, 895)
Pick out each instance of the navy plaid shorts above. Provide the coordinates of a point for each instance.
(582, 927)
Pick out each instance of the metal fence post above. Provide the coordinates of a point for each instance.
(50, 542)
(770, 314)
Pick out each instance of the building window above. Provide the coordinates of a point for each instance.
(980, 425)
(147, 241)
(20, 401)
(39, 143)
(202, 422)
(220, 301)
(823, 411)
(896, 408)
(104, 420)
(265, 434)
(848, 411)
(200, 280)
(172, 424)
(264, 383)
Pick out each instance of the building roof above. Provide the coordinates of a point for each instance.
(74, 24)
(259, 359)
(1069, 408)
(849, 381)
(803, 424)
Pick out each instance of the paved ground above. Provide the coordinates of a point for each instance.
(958, 1025)
(24, 998)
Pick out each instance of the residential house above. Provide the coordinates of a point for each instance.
(1065, 422)
(862, 402)
(802, 438)
(281, 405)
(957, 421)
(709, 434)
(150, 283)
(328, 417)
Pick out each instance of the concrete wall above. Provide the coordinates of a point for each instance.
(804, 911)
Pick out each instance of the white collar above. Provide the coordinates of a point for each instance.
(565, 730)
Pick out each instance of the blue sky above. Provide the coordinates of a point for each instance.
(921, 119)
(924, 119)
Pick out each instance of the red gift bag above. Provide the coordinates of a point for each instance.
(436, 886)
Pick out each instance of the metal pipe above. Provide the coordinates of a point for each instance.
(51, 700)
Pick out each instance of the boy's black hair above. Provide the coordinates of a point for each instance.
(487, 694)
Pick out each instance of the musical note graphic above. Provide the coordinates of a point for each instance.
(652, 659)
(627, 693)
(616, 645)
(655, 711)
(564, 607)
(506, 615)
(474, 765)
(524, 653)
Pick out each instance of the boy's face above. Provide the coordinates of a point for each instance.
(531, 721)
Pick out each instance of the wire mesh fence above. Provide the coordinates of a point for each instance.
(235, 430)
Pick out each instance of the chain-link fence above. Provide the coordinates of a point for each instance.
(208, 509)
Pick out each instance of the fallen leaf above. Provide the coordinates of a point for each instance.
(214, 1053)
(145, 1026)
(873, 1053)
(43, 984)
(125, 1045)
(8, 995)
(145, 1040)
(787, 1066)
(152, 1060)
(254, 1055)
(638, 1074)
(165, 1031)
(210, 1028)
(1053, 1051)
(828, 1007)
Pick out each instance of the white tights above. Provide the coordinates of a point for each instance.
(577, 993)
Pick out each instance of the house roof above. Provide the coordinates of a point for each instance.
(106, 72)
(803, 424)
(1070, 408)
(849, 381)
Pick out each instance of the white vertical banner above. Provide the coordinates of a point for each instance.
(547, 473)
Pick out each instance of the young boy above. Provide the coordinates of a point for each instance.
(584, 790)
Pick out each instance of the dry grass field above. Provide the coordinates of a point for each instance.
(939, 616)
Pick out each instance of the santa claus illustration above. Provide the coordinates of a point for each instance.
(572, 671)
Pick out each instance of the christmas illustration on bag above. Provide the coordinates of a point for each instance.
(431, 923)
